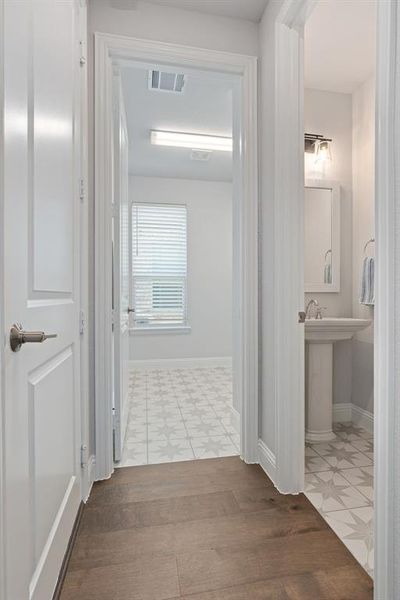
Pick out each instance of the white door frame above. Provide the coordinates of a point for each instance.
(288, 247)
(113, 47)
(290, 425)
(387, 331)
(2, 425)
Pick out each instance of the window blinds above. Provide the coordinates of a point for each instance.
(159, 264)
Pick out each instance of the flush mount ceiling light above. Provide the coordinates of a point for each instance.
(194, 141)
(318, 145)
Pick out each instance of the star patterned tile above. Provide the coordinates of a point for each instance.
(179, 414)
(355, 529)
(339, 482)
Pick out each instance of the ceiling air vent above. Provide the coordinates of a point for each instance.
(166, 82)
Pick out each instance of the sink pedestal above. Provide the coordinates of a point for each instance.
(320, 335)
(319, 373)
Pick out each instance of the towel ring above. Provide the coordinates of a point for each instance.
(371, 241)
(326, 254)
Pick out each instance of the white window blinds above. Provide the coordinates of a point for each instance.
(159, 264)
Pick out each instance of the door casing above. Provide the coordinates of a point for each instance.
(109, 48)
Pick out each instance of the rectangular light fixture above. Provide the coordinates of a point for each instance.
(194, 141)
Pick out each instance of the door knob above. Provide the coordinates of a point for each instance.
(18, 337)
(131, 310)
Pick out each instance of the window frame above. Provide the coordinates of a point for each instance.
(158, 328)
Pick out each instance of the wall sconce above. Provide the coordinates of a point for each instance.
(319, 146)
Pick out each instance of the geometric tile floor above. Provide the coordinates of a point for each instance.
(179, 414)
(339, 482)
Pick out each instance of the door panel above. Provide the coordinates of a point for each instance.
(42, 404)
(52, 100)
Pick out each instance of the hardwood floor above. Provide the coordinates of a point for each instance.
(206, 530)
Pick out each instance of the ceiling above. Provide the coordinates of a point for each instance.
(339, 45)
(205, 106)
(251, 10)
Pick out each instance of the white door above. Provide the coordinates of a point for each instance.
(41, 272)
(121, 267)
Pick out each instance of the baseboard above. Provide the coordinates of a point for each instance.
(89, 476)
(182, 363)
(267, 460)
(235, 419)
(67, 556)
(342, 413)
(345, 412)
(125, 417)
(363, 418)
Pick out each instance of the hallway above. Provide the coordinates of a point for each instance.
(213, 529)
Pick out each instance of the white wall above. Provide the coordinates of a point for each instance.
(209, 212)
(167, 24)
(363, 230)
(330, 114)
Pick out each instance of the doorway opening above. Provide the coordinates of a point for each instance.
(339, 268)
(175, 265)
(176, 151)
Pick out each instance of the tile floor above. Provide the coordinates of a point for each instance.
(339, 483)
(179, 414)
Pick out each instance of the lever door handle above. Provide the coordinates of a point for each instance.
(19, 336)
(131, 310)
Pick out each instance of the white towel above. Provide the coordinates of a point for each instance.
(367, 287)
(328, 273)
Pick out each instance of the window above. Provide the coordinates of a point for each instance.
(159, 265)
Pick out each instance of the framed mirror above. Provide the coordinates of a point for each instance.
(321, 236)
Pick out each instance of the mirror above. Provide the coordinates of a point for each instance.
(321, 236)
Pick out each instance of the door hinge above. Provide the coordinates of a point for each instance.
(82, 59)
(84, 455)
(82, 322)
(82, 190)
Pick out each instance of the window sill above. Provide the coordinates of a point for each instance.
(183, 329)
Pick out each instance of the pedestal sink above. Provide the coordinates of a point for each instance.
(320, 335)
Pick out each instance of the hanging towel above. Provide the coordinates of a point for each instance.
(328, 273)
(367, 291)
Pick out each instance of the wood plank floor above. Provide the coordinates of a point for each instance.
(206, 530)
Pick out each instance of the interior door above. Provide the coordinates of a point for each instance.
(41, 275)
(121, 267)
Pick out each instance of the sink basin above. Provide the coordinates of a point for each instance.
(333, 329)
(320, 335)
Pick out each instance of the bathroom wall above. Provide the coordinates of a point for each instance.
(330, 114)
(209, 230)
(363, 230)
